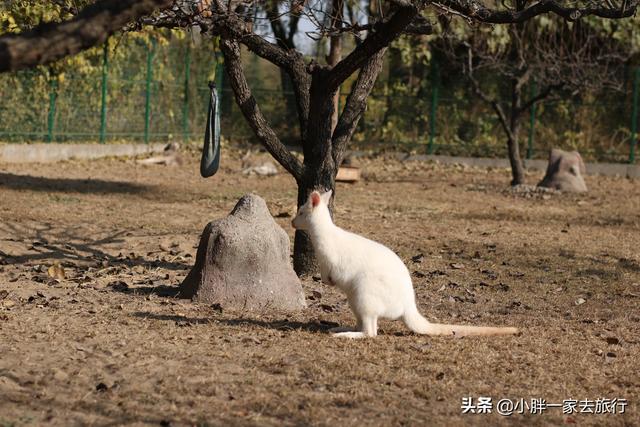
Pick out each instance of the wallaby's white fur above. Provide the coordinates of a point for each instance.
(374, 278)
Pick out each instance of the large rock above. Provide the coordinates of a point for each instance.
(565, 172)
(243, 262)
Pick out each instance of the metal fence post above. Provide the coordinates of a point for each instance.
(53, 95)
(435, 87)
(634, 117)
(532, 120)
(103, 106)
(147, 102)
(185, 105)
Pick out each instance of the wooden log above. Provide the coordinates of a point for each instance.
(348, 174)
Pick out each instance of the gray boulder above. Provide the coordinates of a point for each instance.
(243, 262)
(565, 172)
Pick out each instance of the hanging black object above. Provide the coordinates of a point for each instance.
(210, 161)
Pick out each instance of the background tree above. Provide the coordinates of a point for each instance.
(546, 54)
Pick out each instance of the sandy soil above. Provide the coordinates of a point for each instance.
(111, 345)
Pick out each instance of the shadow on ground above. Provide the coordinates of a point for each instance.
(280, 325)
(72, 245)
(164, 291)
(68, 185)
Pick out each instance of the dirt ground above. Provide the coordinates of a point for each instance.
(109, 344)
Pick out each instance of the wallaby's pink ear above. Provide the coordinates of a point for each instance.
(315, 199)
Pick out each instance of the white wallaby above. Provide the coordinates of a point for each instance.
(374, 278)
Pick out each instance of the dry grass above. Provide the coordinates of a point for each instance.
(110, 346)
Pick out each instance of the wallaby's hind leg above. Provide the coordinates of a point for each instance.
(368, 328)
(339, 329)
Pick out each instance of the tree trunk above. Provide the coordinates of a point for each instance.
(513, 145)
(319, 167)
(517, 170)
(304, 261)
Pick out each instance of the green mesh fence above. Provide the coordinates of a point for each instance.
(156, 91)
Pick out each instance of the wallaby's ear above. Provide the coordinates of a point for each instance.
(315, 199)
(326, 196)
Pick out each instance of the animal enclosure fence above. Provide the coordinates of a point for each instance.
(143, 89)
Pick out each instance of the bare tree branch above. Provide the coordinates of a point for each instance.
(381, 35)
(356, 104)
(251, 111)
(301, 88)
(475, 10)
(49, 42)
(231, 27)
(539, 97)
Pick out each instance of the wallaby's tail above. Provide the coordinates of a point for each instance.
(420, 325)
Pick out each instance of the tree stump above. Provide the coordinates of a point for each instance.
(243, 262)
(565, 172)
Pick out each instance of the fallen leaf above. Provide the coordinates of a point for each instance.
(580, 301)
(456, 266)
(56, 271)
